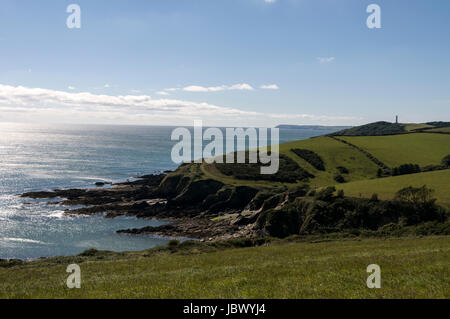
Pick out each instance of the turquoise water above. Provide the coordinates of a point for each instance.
(44, 157)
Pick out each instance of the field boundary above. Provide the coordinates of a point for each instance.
(367, 154)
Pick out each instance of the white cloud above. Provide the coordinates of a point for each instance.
(199, 88)
(243, 86)
(36, 104)
(240, 87)
(270, 1)
(71, 87)
(326, 59)
(135, 91)
(107, 85)
(269, 87)
(162, 93)
(237, 87)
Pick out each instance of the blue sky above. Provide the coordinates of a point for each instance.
(228, 62)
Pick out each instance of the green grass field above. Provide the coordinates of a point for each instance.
(441, 129)
(386, 187)
(410, 268)
(332, 152)
(421, 148)
(413, 126)
(394, 150)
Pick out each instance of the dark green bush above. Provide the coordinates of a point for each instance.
(325, 194)
(446, 161)
(311, 157)
(406, 169)
(326, 213)
(89, 252)
(289, 171)
(4, 263)
(173, 243)
(280, 223)
(433, 228)
(339, 178)
(391, 229)
(379, 172)
(342, 170)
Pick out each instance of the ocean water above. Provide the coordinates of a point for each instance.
(45, 157)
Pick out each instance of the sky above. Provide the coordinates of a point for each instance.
(226, 62)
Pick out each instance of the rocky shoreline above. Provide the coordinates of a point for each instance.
(209, 210)
(199, 210)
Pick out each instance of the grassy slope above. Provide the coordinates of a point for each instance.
(394, 150)
(386, 188)
(332, 152)
(410, 268)
(441, 129)
(413, 126)
(420, 148)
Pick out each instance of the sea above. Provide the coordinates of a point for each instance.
(36, 157)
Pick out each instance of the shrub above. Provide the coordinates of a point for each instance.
(415, 195)
(342, 170)
(390, 229)
(326, 213)
(380, 173)
(325, 194)
(430, 168)
(5, 263)
(289, 171)
(89, 252)
(406, 169)
(433, 228)
(339, 178)
(311, 157)
(446, 161)
(173, 243)
(280, 223)
(241, 242)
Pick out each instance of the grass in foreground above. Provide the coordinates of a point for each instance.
(410, 268)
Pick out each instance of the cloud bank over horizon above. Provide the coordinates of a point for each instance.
(20, 103)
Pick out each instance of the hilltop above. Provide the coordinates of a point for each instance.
(373, 129)
(314, 127)
(387, 128)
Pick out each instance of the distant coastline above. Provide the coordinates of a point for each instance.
(311, 127)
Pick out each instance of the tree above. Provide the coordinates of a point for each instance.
(416, 195)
